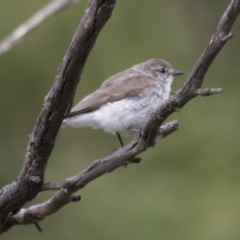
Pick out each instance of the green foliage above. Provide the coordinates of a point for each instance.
(187, 187)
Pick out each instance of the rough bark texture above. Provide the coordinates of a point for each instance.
(31, 178)
(41, 143)
(192, 86)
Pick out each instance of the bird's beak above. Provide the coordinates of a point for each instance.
(176, 72)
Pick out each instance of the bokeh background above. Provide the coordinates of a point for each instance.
(188, 186)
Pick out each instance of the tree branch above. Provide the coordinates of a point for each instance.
(58, 100)
(194, 81)
(38, 18)
(41, 143)
(205, 92)
(65, 189)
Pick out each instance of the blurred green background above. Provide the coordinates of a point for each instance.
(187, 187)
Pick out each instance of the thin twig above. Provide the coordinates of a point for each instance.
(38, 18)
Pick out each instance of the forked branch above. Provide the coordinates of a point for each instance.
(31, 180)
(193, 84)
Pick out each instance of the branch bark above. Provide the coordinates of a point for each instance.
(192, 86)
(65, 189)
(41, 143)
(30, 181)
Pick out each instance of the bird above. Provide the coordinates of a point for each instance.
(125, 101)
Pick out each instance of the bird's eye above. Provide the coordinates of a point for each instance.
(162, 70)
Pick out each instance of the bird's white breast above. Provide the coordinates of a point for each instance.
(126, 116)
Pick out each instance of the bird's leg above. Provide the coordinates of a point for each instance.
(120, 139)
(122, 145)
(135, 160)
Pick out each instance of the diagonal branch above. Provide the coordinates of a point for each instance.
(41, 143)
(65, 189)
(38, 18)
(196, 76)
(30, 181)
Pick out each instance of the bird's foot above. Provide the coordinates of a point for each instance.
(135, 160)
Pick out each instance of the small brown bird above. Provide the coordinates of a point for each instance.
(124, 102)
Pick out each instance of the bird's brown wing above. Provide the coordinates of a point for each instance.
(113, 89)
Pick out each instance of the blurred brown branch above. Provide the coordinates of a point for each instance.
(38, 18)
(31, 180)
